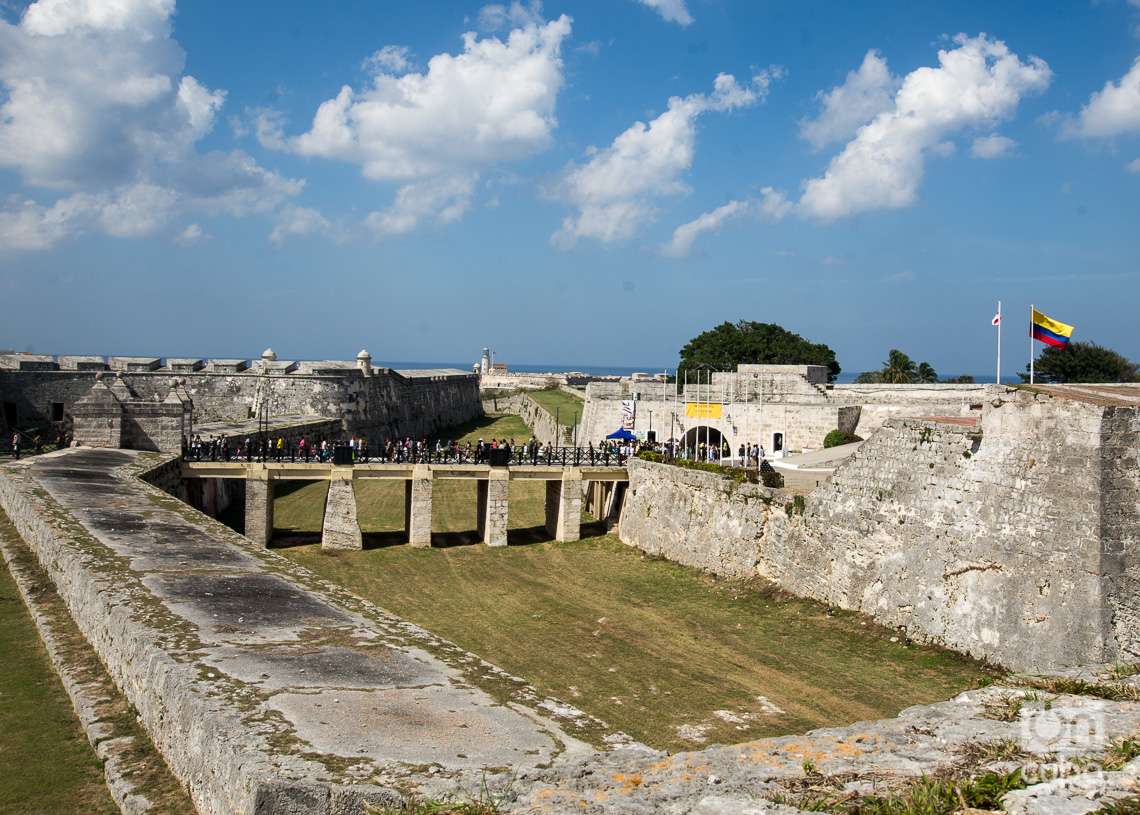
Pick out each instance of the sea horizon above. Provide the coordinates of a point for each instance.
(844, 378)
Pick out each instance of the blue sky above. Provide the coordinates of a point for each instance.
(858, 173)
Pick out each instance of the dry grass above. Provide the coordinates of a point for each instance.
(660, 651)
(665, 653)
(561, 405)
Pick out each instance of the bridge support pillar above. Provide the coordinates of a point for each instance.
(259, 507)
(564, 507)
(417, 506)
(493, 503)
(341, 530)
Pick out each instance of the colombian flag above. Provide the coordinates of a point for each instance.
(1049, 331)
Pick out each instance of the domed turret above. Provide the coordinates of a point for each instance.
(364, 362)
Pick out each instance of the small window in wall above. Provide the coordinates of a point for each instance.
(10, 414)
(57, 411)
(777, 442)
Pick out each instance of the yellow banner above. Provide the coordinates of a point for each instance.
(703, 410)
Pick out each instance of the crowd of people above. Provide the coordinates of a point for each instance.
(357, 449)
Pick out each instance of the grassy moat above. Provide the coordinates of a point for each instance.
(671, 656)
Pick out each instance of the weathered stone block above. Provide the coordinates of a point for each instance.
(341, 530)
(259, 507)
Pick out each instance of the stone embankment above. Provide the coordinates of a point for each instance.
(537, 418)
(1015, 540)
(1061, 745)
(266, 689)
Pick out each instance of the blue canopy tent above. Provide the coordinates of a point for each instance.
(622, 435)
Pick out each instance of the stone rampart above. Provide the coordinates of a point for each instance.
(1013, 541)
(383, 403)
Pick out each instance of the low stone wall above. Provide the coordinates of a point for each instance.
(698, 519)
(1015, 541)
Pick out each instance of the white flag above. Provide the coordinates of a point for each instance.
(997, 319)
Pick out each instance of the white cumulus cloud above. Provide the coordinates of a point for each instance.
(295, 221)
(444, 200)
(977, 83)
(992, 146)
(516, 14)
(1114, 110)
(614, 191)
(864, 94)
(94, 105)
(434, 131)
(675, 11)
(389, 59)
(686, 234)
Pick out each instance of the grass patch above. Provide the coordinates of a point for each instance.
(985, 752)
(1079, 687)
(50, 767)
(1122, 670)
(507, 426)
(665, 653)
(924, 796)
(564, 406)
(1128, 806)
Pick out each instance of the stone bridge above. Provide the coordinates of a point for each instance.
(566, 487)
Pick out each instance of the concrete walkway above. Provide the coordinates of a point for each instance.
(266, 689)
(826, 460)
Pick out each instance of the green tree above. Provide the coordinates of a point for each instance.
(1083, 362)
(926, 373)
(869, 378)
(899, 369)
(748, 342)
(963, 379)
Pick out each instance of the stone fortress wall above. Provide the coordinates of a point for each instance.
(373, 401)
(758, 401)
(542, 425)
(1016, 539)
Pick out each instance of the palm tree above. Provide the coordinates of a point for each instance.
(926, 373)
(899, 369)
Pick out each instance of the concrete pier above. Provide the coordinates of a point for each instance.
(340, 530)
(259, 507)
(564, 507)
(417, 506)
(493, 504)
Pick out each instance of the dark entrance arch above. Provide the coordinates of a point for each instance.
(692, 443)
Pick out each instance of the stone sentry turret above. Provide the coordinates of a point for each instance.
(364, 362)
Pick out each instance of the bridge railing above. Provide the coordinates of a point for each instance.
(521, 456)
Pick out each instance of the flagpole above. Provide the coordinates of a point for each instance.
(1031, 310)
(999, 345)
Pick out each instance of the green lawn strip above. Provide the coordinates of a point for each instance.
(647, 645)
(564, 406)
(49, 764)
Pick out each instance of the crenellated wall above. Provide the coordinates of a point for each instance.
(1014, 540)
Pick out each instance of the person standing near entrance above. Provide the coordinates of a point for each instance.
(16, 445)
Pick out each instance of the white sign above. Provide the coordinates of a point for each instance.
(628, 414)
